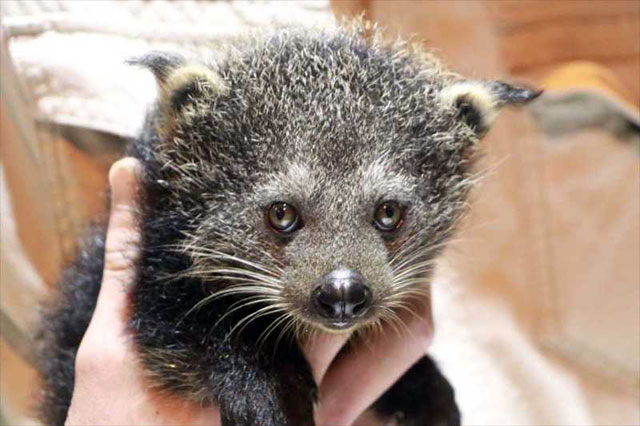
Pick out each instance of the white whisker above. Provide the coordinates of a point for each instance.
(243, 323)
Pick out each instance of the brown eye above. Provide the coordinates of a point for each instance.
(388, 216)
(283, 217)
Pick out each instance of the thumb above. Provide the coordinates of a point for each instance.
(122, 245)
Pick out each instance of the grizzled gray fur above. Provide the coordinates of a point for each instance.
(306, 181)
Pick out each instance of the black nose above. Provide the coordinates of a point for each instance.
(342, 295)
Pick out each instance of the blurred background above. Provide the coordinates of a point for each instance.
(536, 304)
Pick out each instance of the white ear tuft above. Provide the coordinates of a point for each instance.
(182, 87)
(479, 102)
(187, 82)
(179, 81)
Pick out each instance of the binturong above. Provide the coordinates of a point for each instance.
(306, 181)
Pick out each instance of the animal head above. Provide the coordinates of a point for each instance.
(321, 172)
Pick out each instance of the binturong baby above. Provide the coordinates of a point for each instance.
(307, 181)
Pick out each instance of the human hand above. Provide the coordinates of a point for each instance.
(110, 386)
(351, 381)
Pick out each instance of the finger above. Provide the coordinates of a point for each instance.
(123, 237)
(321, 349)
(358, 378)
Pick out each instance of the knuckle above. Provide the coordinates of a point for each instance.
(121, 256)
(126, 209)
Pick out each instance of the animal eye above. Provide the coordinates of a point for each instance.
(283, 217)
(388, 216)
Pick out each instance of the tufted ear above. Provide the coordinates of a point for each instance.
(179, 83)
(479, 102)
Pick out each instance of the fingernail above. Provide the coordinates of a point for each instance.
(123, 177)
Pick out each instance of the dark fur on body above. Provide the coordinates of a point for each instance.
(329, 122)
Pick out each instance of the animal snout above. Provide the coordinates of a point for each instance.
(341, 295)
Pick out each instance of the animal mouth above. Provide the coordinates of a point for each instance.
(342, 324)
(337, 326)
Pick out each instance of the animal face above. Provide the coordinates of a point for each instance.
(321, 174)
(357, 252)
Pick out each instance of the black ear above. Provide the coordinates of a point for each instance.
(178, 81)
(477, 103)
(161, 64)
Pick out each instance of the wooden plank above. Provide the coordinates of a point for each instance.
(462, 33)
(32, 201)
(537, 36)
(351, 8)
(510, 15)
(600, 40)
(17, 381)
